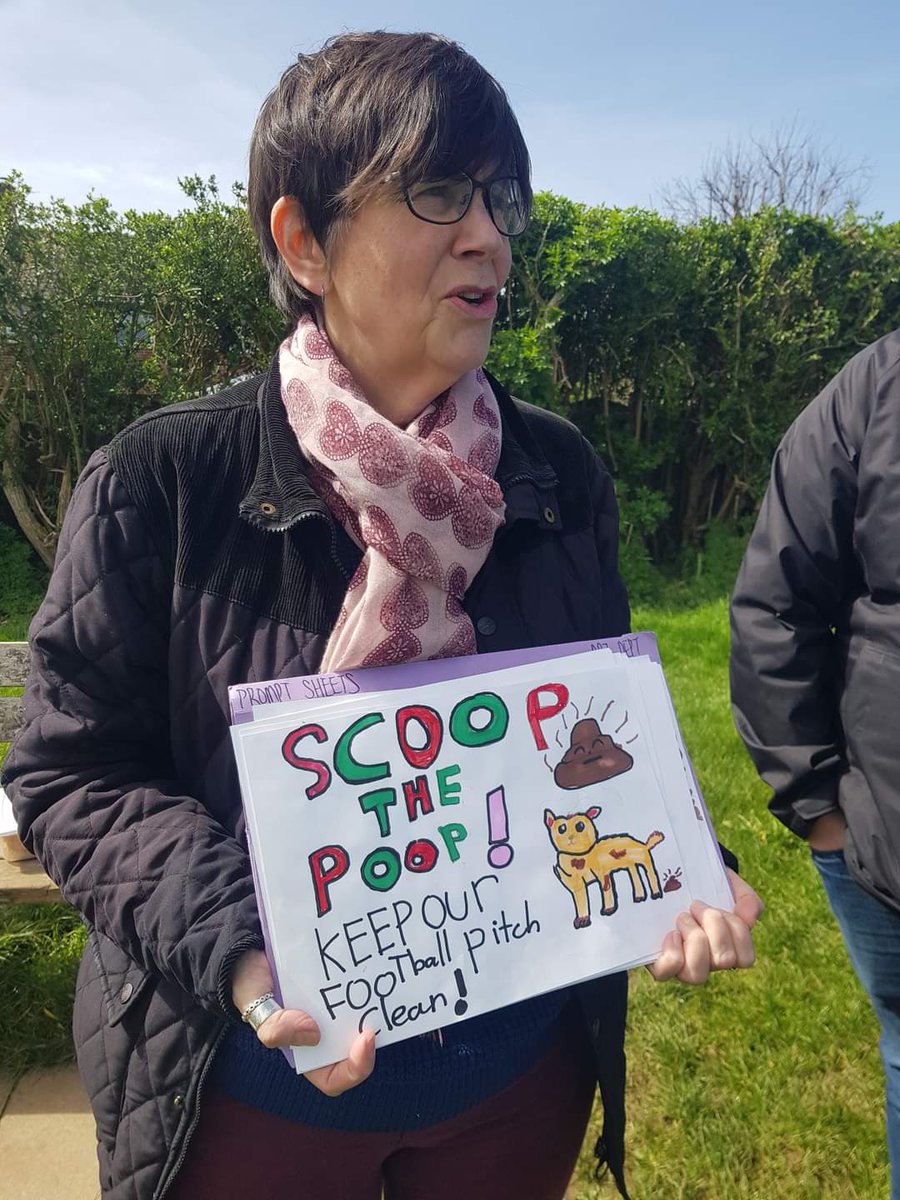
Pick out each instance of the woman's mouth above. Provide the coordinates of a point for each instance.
(476, 302)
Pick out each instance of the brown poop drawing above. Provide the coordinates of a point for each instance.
(592, 757)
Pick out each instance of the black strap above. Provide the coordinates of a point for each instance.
(605, 1005)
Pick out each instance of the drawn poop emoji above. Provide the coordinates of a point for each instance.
(592, 757)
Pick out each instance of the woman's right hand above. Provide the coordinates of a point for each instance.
(290, 1027)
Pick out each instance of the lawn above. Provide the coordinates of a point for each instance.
(764, 1084)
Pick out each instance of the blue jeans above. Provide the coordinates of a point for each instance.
(872, 934)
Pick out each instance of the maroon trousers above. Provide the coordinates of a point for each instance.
(519, 1145)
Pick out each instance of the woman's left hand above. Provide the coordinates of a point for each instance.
(709, 939)
(252, 978)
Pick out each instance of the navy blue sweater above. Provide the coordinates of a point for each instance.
(416, 1083)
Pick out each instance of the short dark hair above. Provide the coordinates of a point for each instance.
(365, 106)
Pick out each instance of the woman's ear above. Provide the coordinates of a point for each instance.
(297, 245)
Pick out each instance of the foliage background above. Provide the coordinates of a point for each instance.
(681, 350)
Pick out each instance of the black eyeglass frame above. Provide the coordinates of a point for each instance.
(485, 189)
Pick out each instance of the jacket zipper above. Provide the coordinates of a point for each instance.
(193, 1125)
(336, 558)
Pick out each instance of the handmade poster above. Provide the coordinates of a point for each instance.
(250, 701)
(427, 852)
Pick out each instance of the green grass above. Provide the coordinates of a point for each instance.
(40, 946)
(763, 1085)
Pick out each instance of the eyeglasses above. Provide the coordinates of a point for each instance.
(446, 201)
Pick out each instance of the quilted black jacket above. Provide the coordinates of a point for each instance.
(195, 555)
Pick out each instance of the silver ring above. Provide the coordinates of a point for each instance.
(260, 1010)
(248, 1008)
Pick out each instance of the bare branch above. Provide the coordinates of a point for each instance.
(789, 169)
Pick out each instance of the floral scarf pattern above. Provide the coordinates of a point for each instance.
(421, 502)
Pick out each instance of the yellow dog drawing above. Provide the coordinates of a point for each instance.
(583, 857)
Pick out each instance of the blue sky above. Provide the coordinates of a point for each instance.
(616, 100)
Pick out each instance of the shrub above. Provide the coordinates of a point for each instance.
(22, 584)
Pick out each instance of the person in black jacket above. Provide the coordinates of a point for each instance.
(815, 665)
(375, 497)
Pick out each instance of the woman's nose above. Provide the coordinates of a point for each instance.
(477, 231)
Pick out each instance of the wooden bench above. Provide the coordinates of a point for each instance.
(24, 882)
(21, 878)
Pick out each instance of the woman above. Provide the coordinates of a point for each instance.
(373, 497)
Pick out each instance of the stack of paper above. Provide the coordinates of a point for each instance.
(435, 840)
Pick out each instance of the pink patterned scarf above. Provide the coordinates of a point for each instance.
(421, 502)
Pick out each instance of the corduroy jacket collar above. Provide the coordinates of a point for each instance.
(281, 493)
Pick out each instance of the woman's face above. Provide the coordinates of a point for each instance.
(394, 301)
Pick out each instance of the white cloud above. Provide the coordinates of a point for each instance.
(138, 105)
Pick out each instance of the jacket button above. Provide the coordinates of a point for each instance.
(267, 508)
(486, 625)
(126, 993)
(549, 515)
(178, 1100)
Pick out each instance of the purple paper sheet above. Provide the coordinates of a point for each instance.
(243, 698)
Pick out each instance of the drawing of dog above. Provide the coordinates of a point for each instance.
(583, 858)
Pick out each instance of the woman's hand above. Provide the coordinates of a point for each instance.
(290, 1027)
(709, 939)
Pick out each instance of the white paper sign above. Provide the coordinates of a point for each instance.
(428, 854)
